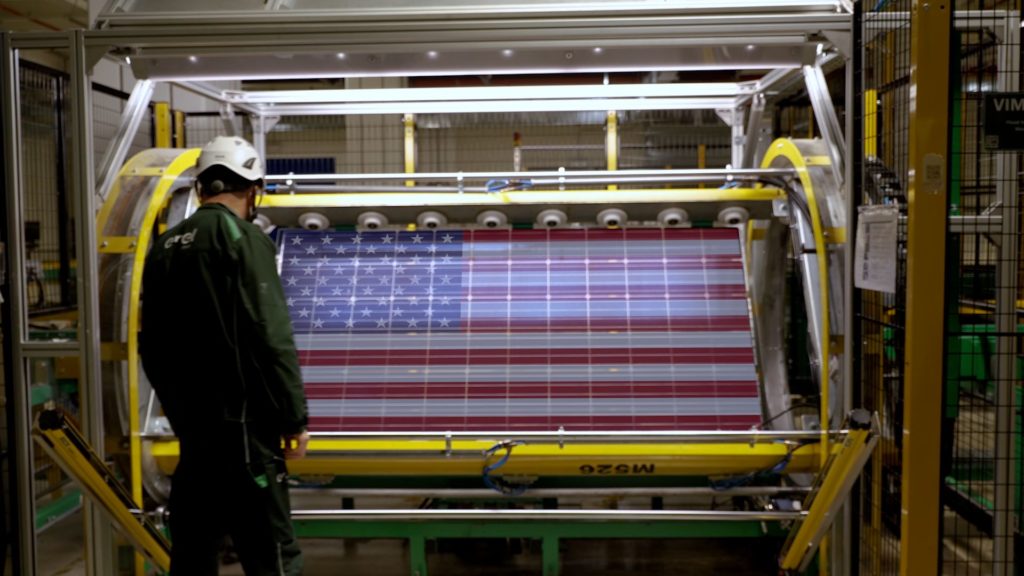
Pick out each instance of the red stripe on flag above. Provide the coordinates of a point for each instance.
(519, 356)
(501, 423)
(602, 234)
(635, 292)
(480, 390)
(674, 324)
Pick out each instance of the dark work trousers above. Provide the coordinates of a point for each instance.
(249, 503)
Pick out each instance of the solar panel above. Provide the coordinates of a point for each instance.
(462, 330)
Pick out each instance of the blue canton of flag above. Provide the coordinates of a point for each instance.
(392, 281)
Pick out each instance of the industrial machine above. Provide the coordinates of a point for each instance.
(545, 345)
(502, 354)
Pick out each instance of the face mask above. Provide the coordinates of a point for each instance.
(254, 202)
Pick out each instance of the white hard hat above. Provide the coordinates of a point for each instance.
(233, 153)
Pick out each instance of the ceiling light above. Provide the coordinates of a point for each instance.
(193, 59)
(598, 50)
(507, 52)
(478, 93)
(432, 54)
(341, 55)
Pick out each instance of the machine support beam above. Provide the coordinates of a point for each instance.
(24, 502)
(117, 149)
(828, 121)
(931, 25)
(261, 125)
(753, 132)
(98, 534)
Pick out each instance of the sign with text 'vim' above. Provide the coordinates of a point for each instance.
(1004, 121)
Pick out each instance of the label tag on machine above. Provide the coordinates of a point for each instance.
(874, 256)
(1003, 121)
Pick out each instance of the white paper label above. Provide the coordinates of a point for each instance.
(874, 258)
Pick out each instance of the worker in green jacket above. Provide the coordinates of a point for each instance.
(218, 348)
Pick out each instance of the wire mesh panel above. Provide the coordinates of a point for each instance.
(569, 140)
(880, 317)
(201, 128)
(49, 278)
(981, 451)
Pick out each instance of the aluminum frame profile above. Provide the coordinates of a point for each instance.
(827, 119)
(117, 148)
(99, 540)
(143, 12)
(190, 36)
(14, 194)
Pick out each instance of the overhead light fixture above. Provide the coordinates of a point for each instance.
(432, 54)
(128, 60)
(488, 106)
(341, 55)
(378, 95)
(507, 52)
(598, 50)
(193, 59)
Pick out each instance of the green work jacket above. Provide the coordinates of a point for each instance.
(217, 342)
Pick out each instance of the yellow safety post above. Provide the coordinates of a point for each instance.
(611, 143)
(702, 158)
(870, 123)
(65, 444)
(833, 485)
(162, 125)
(409, 121)
(927, 205)
(179, 129)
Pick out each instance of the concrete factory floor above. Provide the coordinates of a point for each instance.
(60, 554)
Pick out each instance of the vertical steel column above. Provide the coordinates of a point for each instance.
(1004, 511)
(846, 529)
(738, 137)
(98, 537)
(260, 125)
(930, 27)
(14, 191)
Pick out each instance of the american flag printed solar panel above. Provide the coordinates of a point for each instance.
(588, 329)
